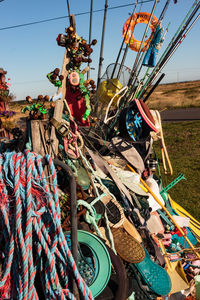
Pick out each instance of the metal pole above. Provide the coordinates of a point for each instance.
(90, 33)
(120, 50)
(154, 87)
(142, 42)
(102, 43)
(171, 45)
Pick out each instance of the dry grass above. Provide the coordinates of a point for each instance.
(175, 95)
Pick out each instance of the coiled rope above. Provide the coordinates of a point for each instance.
(32, 242)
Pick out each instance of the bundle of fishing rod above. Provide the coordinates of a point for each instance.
(120, 86)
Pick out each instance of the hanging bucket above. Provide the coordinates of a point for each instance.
(107, 89)
(136, 121)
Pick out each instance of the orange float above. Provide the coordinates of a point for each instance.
(141, 17)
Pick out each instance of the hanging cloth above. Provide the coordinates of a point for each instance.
(156, 43)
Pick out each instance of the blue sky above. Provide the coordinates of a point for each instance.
(29, 53)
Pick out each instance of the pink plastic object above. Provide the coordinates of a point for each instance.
(74, 78)
(154, 224)
(167, 239)
(144, 115)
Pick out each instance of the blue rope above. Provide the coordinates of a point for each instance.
(30, 222)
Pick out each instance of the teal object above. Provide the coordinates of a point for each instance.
(82, 178)
(181, 240)
(154, 275)
(173, 183)
(134, 124)
(101, 262)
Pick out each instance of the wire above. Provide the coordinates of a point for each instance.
(64, 17)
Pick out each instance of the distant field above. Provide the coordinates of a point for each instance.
(165, 96)
(175, 95)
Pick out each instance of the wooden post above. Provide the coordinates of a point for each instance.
(58, 110)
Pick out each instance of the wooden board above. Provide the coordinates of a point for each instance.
(37, 144)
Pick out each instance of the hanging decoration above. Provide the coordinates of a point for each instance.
(142, 17)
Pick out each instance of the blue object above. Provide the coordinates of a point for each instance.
(150, 57)
(154, 275)
(134, 124)
(98, 270)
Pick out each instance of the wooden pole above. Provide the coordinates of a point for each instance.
(59, 105)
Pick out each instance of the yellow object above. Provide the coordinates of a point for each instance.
(141, 17)
(130, 228)
(167, 212)
(107, 89)
(176, 273)
(194, 225)
(143, 188)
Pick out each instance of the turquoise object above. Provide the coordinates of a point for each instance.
(100, 265)
(154, 275)
(134, 124)
(171, 184)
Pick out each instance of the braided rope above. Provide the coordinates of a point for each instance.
(31, 237)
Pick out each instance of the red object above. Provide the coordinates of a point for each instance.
(176, 231)
(77, 107)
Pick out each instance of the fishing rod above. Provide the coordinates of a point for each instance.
(147, 71)
(126, 49)
(90, 33)
(171, 42)
(154, 87)
(144, 53)
(142, 43)
(102, 43)
(175, 40)
(180, 41)
(128, 95)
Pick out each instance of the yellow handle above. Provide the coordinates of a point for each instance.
(166, 211)
(164, 252)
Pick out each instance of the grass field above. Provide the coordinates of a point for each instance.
(183, 144)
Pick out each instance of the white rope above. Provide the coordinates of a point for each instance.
(160, 136)
(124, 89)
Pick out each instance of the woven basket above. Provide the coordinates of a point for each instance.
(127, 247)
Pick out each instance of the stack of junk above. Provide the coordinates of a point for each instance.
(84, 210)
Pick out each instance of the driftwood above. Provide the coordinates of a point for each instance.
(60, 103)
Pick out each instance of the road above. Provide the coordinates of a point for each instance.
(187, 114)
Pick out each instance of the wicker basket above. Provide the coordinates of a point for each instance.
(127, 247)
